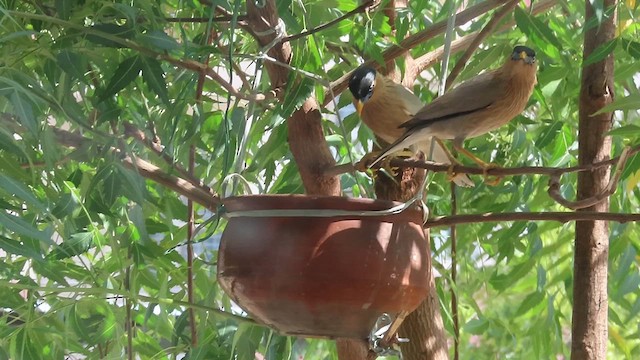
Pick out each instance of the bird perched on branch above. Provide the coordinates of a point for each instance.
(475, 107)
(384, 105)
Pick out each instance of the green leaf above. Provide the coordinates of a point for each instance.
(7, 143)
(153, 76)
(538, 31)
(76, 244)
(133, 188)
(601, 52)
(476, 326)
(17, 34)
(246, 341)
(93, 320)
(121, 31)
(63, 8)
(631, 102)
(158, 39)
(72, 63)
(24, 110)
(15, 188)
(631, 47)
(627, 131)
(315, 58)
(529, 302)
(22, 227)
(633, 165)
(65, 206)
(548, 134)
(17, 248)
(126, 72)
(296, 96)
(501, 282)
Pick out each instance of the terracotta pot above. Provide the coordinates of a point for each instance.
(323, 276)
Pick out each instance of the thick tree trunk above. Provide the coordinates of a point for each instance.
(590, 303)
(423, 327)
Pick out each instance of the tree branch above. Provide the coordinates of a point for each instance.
(562, 217)
(458, 45)
(221, 18)
(156, 148)
(306, 138)
(486, 31)
(364, 7)
(524, 170)
(149, 171)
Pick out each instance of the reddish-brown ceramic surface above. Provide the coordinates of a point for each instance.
(323, 276)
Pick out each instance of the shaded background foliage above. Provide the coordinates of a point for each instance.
(93, 255)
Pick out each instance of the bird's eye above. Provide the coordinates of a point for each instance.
(366, 94)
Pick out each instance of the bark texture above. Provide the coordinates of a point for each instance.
(425, 329)
(589, 322)
(424, 326)
(306, 138)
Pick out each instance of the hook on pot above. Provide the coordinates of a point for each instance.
(381, 342)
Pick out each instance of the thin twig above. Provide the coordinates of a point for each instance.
(156, 148)
(365, 6)
(221, 18)
(488, 29)
(426, 60)
(454, 273)
(610, 189)
(148, 171)
(190, 227)
(562, 217)
(129, 322)
(500, 171)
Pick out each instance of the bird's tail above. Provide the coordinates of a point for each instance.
(402, 142)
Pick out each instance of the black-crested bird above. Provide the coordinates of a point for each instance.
(475, 107)
(384, 105)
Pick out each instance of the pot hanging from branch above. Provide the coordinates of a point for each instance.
(322, 266)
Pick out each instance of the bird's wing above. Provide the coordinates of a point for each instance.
(472, 95)
(412, 103)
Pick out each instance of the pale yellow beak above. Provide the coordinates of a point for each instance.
(359, 105)
(523, 55)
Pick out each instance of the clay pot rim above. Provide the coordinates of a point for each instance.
(311, 202)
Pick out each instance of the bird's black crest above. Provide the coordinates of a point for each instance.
(529, 51)
(362, 82)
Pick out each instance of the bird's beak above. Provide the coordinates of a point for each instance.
(523, 55)
(359, 106)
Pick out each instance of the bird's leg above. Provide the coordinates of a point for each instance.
(484, 165)
(386, 163)
(363, 164)
(451, 174)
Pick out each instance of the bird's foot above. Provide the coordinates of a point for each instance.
(363, 164)
(385, 164)
(394, 170)
(490, 180)
(451, 174)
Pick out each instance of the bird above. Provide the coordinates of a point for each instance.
(384, 105)
(473, 108)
